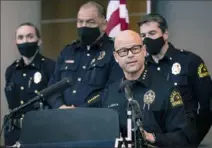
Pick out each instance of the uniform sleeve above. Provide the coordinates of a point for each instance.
(174, 123)
(50, 68)
(9, 86)
(116, 72)
(56, 100)
(201, 83)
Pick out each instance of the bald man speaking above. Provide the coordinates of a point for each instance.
(161, 106)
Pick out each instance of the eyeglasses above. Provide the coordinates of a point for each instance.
(125, 51)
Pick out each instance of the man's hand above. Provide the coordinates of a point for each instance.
(67, 107)
(149, 137)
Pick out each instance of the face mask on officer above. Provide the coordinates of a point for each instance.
(28, 49)
(154, 46)
(88, 35)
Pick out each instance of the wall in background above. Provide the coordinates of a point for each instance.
(12, 14)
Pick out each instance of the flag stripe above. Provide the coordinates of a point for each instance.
(113, 21)
(117, 17)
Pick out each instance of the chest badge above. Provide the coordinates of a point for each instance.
(176, 68)
(37, 77)
(101, 55)
(149, 98)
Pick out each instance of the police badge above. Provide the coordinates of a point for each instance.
(101, 55)
(149, 98)
(176, 68)
(37, 77)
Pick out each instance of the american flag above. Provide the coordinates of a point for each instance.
(117, 17)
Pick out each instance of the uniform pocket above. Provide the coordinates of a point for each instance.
(180, 80)
(68, 70)
(98, 74)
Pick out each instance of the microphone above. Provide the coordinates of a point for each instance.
(57, 87)
(126, 85)
(52, 89)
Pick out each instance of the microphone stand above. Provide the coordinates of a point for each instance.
(39, 97)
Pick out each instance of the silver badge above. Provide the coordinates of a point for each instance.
(176, 68)
(149, 98)
(37, 77)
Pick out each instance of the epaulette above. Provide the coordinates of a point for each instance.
(111, 39)
(15, 62)
(73, 44)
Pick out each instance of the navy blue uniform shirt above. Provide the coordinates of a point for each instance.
(24, 81)
(89, 68)
(162, 108)
(188, 72)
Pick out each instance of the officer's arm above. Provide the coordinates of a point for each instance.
(174, 123)
(201, 83)
(115, 72)
(56, 100)
(9, 86)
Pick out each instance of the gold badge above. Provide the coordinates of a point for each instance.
(37, 77)
(176, 68)
(149, 98)
(176, 99)
(202, 71)
(101, 55)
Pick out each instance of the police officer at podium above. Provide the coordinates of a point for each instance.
(25, 77)
(162, 106)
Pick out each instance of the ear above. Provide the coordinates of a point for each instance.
(115, 56)
(144, 50)
(104, 25)
(166, 35)
(39, 42)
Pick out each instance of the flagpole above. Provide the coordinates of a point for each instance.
(148, 6)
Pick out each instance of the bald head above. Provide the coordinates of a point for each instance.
(127, 38)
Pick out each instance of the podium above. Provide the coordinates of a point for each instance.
(70, 128)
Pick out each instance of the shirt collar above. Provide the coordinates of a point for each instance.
(35, 63)
(143, 79)
(168, 55)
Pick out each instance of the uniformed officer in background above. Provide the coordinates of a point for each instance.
(183, 69)
(25, 77)
(161, 106)
(88, 61)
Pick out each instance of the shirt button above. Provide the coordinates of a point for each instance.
(74, 91)
(36, 91)
(22, 88)
(79, 79)
(88, 54)
(175, 84)
(170, 58)
(22, 115)
(33, 64)
(84, 67)
(66, 67)
(158, 68)
(43, 59)
(24, 74)
(22, 102)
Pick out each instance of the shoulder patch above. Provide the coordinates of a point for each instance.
(176, 99)
(202, 71)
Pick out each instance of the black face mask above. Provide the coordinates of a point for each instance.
(28, 49)
(154, 46)
(88, 35)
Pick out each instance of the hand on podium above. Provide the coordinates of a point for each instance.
(67, 107)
